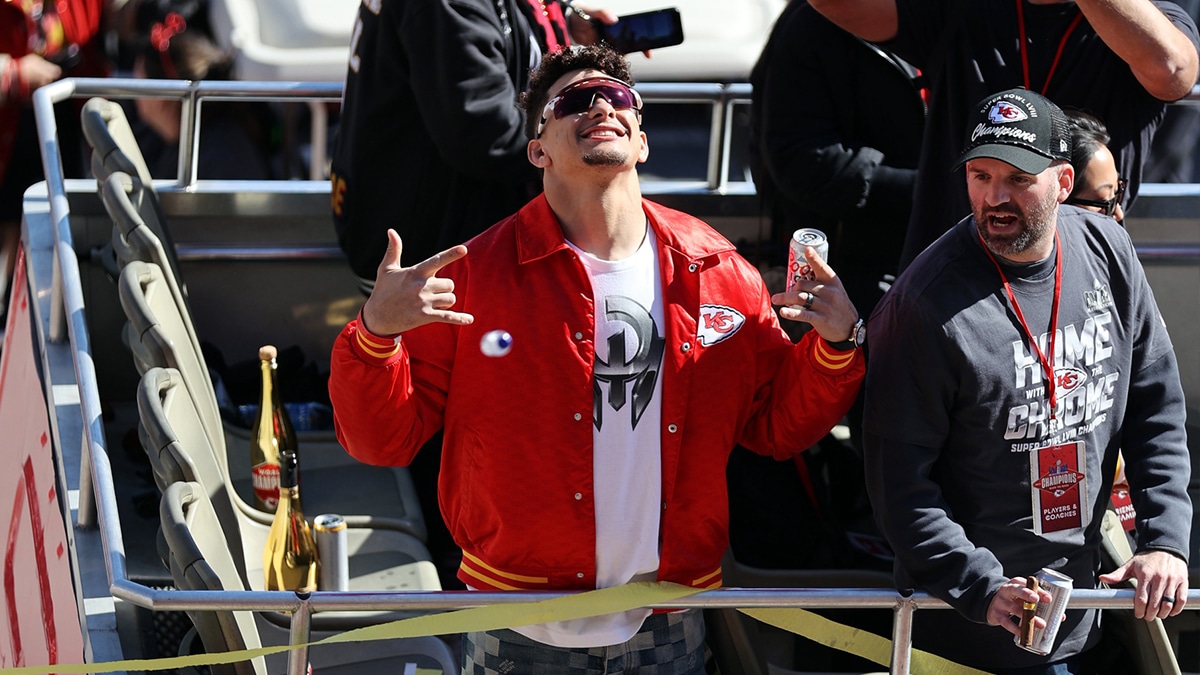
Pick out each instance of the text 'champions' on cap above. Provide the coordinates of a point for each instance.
(1019, 127)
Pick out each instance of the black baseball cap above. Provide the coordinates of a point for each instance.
(1020, 127)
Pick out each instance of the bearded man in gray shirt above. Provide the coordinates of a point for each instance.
(1008, 366)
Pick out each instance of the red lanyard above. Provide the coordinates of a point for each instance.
(1047, 365)
(1025, 54)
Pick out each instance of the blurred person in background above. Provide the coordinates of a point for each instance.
(1175, 152)
(833, 158)
(41, 42)
(826, 155)
(1098, 186)
(233, 141)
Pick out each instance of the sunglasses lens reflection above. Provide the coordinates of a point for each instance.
(582, 98)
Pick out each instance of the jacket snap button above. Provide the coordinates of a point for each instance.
(578, 417)
(692, 267)
(672, 428)
(578, 496)
(686, 347)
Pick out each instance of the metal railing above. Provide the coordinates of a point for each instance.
(97, 504)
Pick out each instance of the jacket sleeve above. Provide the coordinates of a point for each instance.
(804, 106)
(382, 413)
(1153, 438)
(1157, 463)
(464, 90)
(802, 390)
(931, 548)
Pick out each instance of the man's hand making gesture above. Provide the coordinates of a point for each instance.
(408, 297)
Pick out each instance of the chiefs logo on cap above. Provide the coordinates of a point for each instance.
(1003, 112)
(718, 322)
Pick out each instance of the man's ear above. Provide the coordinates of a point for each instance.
(1066, 181)
(537, 154)
(644, 153)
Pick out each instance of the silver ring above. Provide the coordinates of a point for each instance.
(808, 303)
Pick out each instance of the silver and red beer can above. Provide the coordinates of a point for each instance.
(1059, 586)
(799, 267)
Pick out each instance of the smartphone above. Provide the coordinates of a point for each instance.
(640, 32)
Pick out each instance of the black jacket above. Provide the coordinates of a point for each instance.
(431, 139)
(837, 131)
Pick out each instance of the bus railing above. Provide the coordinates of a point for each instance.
(97, 502)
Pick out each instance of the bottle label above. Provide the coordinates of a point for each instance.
(265, 478)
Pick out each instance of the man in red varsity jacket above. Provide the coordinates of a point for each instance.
(592, 359)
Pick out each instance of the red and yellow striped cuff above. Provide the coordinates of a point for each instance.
(486, 576)
(377, 346)
(831, 358)
(708, 581)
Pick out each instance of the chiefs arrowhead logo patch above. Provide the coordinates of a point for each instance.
(718, 322)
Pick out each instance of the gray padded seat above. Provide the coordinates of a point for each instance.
(115, 150)
(171, 432)
(200, 560)
(160, 335)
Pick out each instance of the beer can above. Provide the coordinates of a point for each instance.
(329, 534)
(798, 265)
(1059, 587)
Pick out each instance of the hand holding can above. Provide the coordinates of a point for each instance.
(1059, 586)
(799, 267)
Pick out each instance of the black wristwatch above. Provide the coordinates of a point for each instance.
(858, 337)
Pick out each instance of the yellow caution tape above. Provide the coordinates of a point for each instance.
(852, 640)
(491, 617)
(817, 628)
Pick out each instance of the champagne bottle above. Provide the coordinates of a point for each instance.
(272, 434)
(290, 556)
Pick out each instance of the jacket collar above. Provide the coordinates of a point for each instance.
(539, 233)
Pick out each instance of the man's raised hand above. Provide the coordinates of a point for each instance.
(407, 297)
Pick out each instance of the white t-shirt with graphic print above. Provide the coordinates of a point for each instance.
(626, 428)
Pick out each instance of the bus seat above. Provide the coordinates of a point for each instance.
(159, 335)
(136, 236)
(378, 560)
(115, 150)
(114, 147)
(199, 560)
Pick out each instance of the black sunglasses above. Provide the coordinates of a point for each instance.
(1107, 206)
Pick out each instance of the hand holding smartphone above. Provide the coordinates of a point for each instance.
(642, 32)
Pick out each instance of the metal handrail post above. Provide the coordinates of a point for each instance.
(299, 635)
(43, 105)
(319, 140)
(189, 138)
(57, 332)
(726, 143)
(902, 620)
(716, 146)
